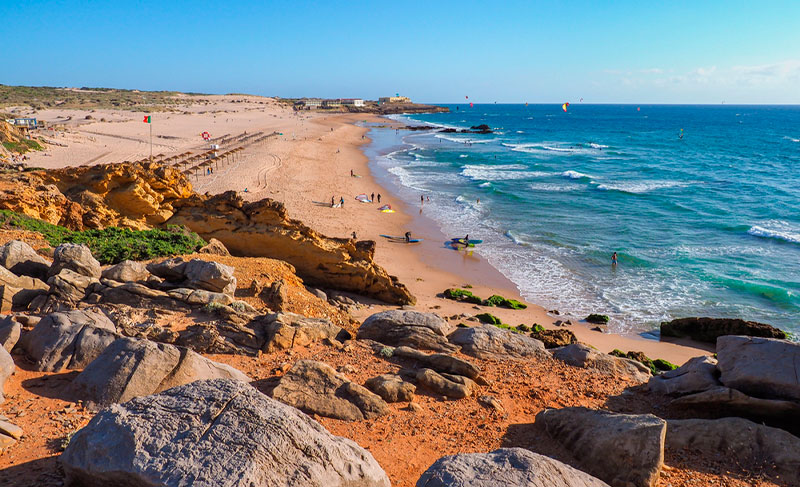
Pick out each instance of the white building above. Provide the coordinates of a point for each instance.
(331, 103)
(352, 102)
(310, 103)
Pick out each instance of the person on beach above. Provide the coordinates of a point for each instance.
(354, 236)
(331, 201)
(351, 173)
(379, 197)
(421, 199)
(245, 190)
(372, 197)
(341, 201)
(614, 259)
(428, 198)
(408, 237)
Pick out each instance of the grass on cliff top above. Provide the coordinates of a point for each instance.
(22, 146)
(40, 97)
(112, 245)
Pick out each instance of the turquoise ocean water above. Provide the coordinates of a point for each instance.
(704, 225)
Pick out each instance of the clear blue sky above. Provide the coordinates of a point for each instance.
(505, 51)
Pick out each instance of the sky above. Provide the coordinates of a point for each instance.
(433, 51)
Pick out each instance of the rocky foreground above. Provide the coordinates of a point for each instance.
(212, 369)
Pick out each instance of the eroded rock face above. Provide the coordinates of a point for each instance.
(622, 449)
(77, 258)
(132, 367)
(68, 340)
(696, 375)
(22, 260)
(555, 338)
(452, 386)
(196, 274)
(409, 328)
(491, 342)
(709, 329)
(289, 330)
(440, 362)
(216, 432)
(750, 443)
(760, 367)
(314, 387)
(511, 467)
(586, 357)
(726, 401)
(263, 229)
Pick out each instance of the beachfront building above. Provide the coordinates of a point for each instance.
(352, 102)
(394, 99)
(309, 103)
(331, 103)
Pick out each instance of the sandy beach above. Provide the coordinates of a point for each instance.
(304, 168)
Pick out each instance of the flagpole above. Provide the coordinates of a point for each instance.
(151, 140)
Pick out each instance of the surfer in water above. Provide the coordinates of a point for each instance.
(614, 259)
(408, 237)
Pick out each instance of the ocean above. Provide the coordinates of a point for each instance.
(701, 203)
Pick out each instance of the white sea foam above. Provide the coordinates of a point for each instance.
(597, 146)
(574, 175)
(487, 184)
(639, 187)
(462, 156)
(482, 172)
(792, 139)
(559, 188)
(776, 229)
(463, 140)
(516, 238)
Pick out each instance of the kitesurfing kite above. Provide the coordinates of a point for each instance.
(581, 99)
(564, 106)
(470, 104)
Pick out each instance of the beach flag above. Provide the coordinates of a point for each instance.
(147, 119)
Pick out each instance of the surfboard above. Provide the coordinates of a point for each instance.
(402, 239)
(461, 241)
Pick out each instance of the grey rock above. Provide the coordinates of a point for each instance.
(10, 330)
(580, 355)
(491, 342)
(211, 276)
(391, 388)
(70, 286)
(440, 362)
(315, 388)
(749, 443)
(289, 330)
(132, 367)
(213, 433)
(68, 339)
(409, 328)
(455, 387)
(22, 260)
(214, 247)
(760, 367)
(77, 258)
(696, 375)
(724, 400)
(170, 269)
(509, 467)
(621, 449)
(127, 271)
(7, 368)
(11, 430)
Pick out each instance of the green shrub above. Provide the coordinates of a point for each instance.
(386, 352)
(113, 245)
(524, 328)
(617, 353)
(213, 308)
(537, 328)
(489, 318)
(597, 319)
(500, 301)
(239, 306)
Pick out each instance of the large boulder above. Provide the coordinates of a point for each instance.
(132, 367)
(315, 388)
(723, 401)
(6, 369)
(697, 375)
(211, 433)
(622, 449)
(18, 291)
(196, 274)
(10, 330)
(77, 258)
(127, 271)
(391, 388)
(750, 444)
(68, 340)
(70, 286)
(409, 328)
(289, 330)
(760, 367)
(555, 338)
(22, 260)
(491, 342)
(509, 467)
(580, 355)
(709, 329)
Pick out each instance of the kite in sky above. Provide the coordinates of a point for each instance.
(564, 106)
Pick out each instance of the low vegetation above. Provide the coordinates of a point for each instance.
(597, 319)
(657, 366)
(112, 245)
(41, 97)
(501, 302)
(22, 146)
(494, 300)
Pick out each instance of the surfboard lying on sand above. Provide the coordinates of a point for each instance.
(401, 239)
(461, 241)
